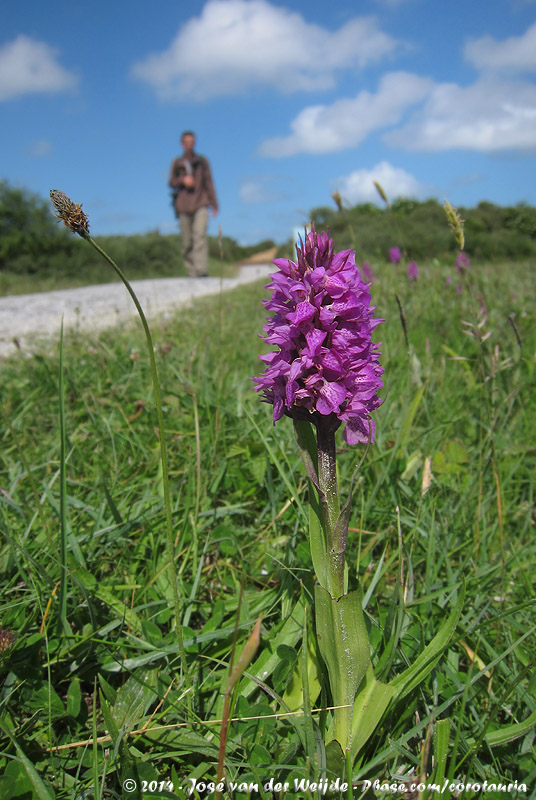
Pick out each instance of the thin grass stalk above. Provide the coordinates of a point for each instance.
(63, 624)
(197, 459)
(106, 738)
(95, 752)
(163, 457)
(338, 202)
(49, 697)
(402, 320)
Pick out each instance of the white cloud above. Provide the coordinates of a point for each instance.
(358, 186)
(497, 112)
(41, 148)
(347, 122)
(515, 54)
(237, 44)
(28, 66)
(488, 116)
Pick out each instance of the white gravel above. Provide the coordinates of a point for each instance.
(30, 320)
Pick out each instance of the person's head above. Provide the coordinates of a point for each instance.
(188, 141)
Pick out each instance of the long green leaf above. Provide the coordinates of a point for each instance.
(370, 703)
(306, 441)
(510, 732)
(441, 749)
(109, 722)
(426, 661)
(392, 748)
(344, 646)
(317, 538)
(133, 699)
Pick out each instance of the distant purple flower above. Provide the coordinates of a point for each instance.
(368, 274)
(413, 271)
(395, 255)
(459, 288)
(448, 280)
(326, 364)
(462, 262)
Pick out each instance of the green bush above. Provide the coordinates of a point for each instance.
(28, 232)
(33, 243)
(492, 233)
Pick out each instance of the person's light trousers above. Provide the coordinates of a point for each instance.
(194, 241)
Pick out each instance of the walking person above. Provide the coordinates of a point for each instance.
(191, 180)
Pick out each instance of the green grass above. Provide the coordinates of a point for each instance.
(458, 397)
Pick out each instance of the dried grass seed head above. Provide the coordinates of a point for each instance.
(70, 213)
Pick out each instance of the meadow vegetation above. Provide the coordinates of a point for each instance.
(38, 254)
(493, 234)
(93, 691)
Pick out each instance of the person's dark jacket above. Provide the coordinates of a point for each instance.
(189, 199)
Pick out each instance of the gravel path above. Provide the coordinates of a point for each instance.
(27, 320)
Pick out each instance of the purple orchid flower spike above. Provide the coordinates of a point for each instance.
(326, 365)
(395, 255)
(413, 271)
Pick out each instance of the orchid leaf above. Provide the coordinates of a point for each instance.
(344, 646)
(343, 520)
(306, 441)
(370, 704)
(317, 539)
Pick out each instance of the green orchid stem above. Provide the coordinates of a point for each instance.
(163, 457)
(335, 534)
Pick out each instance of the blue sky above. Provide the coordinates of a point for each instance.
(290, 102)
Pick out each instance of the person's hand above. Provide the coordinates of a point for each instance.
(188, 181)
(214, 212)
